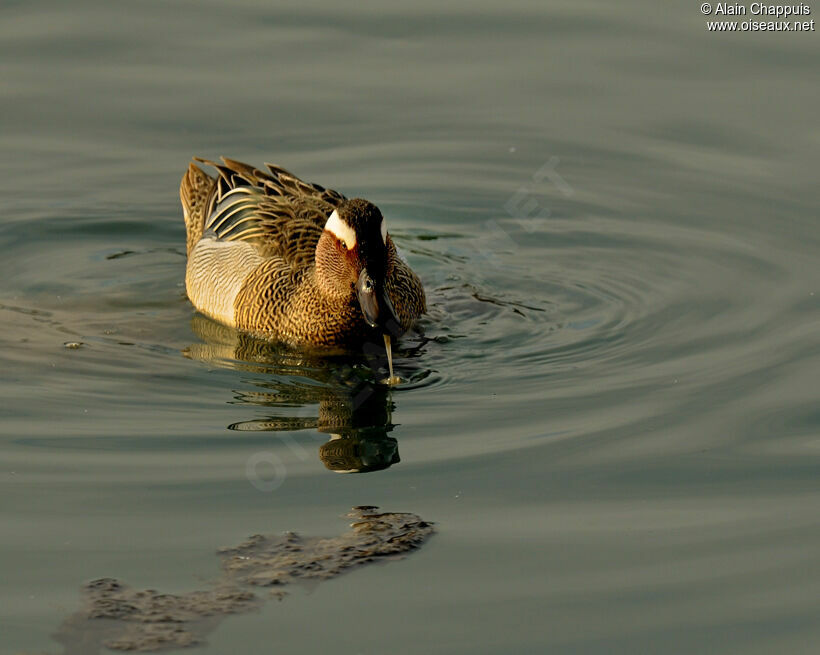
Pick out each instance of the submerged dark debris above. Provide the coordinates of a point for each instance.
(265, 561)
(118, 617)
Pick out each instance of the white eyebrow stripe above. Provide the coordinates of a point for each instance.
(341, 230)
(384, 231)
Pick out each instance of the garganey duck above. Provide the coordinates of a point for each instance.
(275, 256)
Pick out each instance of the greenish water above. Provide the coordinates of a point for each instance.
(612, 417)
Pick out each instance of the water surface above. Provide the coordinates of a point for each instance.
(611, 414)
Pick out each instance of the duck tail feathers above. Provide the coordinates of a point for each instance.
(196, 191)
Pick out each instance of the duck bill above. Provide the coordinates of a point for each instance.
(376, 306)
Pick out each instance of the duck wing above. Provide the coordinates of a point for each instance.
(282, 215)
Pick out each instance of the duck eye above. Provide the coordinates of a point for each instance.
(344, 245)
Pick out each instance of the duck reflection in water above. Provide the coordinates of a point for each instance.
(353, 409)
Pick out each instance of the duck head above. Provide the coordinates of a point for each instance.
(353, 255)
